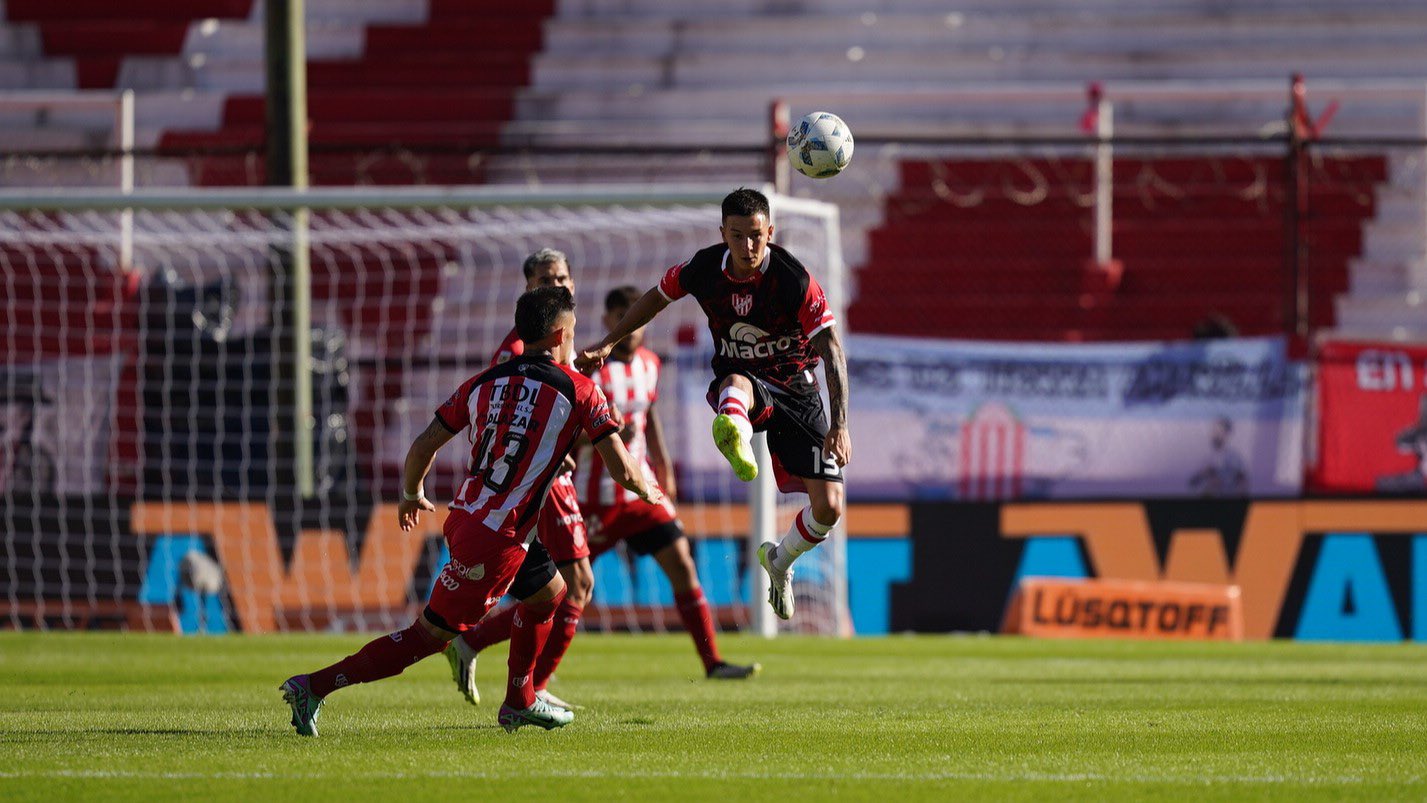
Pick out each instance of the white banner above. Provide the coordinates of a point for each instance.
(939, 419)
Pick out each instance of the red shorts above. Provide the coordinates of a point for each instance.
(483, 564)
(562, 526)
(609, 526)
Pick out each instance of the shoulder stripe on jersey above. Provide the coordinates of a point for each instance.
(822, 326)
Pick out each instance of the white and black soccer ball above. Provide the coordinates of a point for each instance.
(820, 145)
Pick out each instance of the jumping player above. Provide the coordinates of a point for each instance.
(770, 322)
(561, 533)
(522, 419)
(630, 382)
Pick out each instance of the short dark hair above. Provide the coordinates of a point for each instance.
(545, 256)
(745, 203)
(537, 311)
(622, 297)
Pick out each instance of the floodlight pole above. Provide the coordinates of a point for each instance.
(286, 62)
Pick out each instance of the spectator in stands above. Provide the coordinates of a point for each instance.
(1214, 326)
(1412, 440)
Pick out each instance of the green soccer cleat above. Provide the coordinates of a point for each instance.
(724, 670)
(305, 705)
(463, 668)
(734, 447)
(780, 584)
(541, 714)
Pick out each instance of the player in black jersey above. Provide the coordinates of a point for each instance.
(770, 326)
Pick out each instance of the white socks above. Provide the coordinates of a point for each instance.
(805, 534)
(734, 403)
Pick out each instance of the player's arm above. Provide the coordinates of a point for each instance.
(641, 313)
(828, 345)
(659, 453)
(625, 471)
(418, 464)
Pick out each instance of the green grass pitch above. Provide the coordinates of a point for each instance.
(133, 717)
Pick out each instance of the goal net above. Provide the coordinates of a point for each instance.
(143, 478)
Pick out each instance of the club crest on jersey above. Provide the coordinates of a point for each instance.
(743, 303)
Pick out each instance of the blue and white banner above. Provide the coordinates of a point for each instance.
(941, 419)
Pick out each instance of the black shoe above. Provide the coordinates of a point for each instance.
(726, 671)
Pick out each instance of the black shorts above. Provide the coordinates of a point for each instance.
(535, 573)
(796, 425)
(654, 539)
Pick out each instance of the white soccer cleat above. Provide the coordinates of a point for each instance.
(463, 668)
(780, 583)
(541, 715)
(550, 699)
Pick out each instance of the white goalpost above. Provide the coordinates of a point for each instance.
(139, 476)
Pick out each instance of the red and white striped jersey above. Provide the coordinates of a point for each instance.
(512, 346)
(522, 417)
(631, 387)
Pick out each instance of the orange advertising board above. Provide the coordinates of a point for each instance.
(1060, 608)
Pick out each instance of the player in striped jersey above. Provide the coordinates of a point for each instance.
(561, 534)
(630, 380)
(522, 418)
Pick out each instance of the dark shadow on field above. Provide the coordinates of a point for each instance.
(227, 733)
(82, 732)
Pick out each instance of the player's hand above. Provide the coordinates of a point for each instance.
(568, 464)
(591, 359)
(653, 496)
(408, 514)
(665, 475)
(838, 445)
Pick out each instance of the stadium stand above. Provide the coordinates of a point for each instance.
(446, 78)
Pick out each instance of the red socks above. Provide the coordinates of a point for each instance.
(493, 629)
(529, 628)
(562, 632)
(694, 612)
(381, 658)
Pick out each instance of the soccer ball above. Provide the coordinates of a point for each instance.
(820, 145)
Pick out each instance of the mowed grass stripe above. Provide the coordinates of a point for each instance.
(154, 717)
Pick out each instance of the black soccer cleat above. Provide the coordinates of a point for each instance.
(727, 671)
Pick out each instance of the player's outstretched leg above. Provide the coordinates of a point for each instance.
(733, 432)
(382, 657)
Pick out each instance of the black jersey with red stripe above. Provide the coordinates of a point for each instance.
(762, 325)
(522, 417)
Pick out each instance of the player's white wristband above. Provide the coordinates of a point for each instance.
(420, 492)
